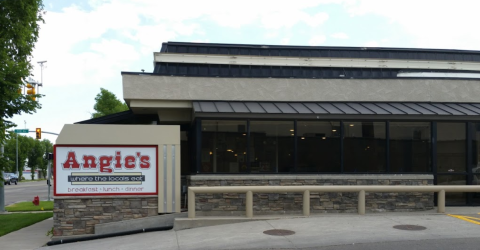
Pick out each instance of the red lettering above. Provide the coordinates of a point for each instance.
(71, 161)
(105, 162)
(130, 162)
(145, 161)
(89, 161)
(118, 160)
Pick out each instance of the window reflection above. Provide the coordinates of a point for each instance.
(410, 146)
(451, 147)
(318, 146)
(364, 147)
(224, 146)
(475, 164)
(476, 196)
(453, 198)
(271, 146)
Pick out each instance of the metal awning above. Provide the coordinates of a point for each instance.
(374, 110)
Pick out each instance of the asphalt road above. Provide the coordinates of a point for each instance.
(25, 191)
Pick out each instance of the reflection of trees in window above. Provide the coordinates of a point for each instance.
(271, 146)
(318, 146)
(410, 146)
(224, 146)
(364, 147)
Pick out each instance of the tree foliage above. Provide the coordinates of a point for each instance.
(48, 146)
(35, 157)
(106, 103)
(31, 153)
(19, 22)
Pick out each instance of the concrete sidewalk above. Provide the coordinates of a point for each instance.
(31, 237)
(326, 231)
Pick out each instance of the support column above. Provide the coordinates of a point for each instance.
(249, 204)
(191, 204)
(361, 202)
(441, 201)
(306, 203)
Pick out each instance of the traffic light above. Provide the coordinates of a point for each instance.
(31, 91)
(38, 132)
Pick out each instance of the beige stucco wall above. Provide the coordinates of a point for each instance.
(148, 87)
(166, 137)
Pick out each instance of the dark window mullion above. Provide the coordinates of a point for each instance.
(295, 147)
(434, 152)
(341, 146)
(387, 146)
(248, 147)
(198, 128)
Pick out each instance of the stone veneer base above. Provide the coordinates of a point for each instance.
(79, 215)
(291, 203)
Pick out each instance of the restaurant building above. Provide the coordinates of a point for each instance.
(301, 115)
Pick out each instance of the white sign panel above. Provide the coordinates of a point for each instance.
(88, 170)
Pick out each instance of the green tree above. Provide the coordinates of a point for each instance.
(48, 146)
(106, 103)
(25, 145)
(19, 22)
(35, 156)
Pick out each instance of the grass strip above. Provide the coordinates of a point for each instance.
(28, 206)
(14, 222)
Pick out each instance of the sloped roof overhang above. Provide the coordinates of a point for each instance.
(338, 110)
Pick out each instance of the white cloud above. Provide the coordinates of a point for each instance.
(339, 35)
(316, 20)
(272, 34)
(285, 41)
(431, 24)
(317, 40)
(371, 44)
(289, 18)
(200, 41)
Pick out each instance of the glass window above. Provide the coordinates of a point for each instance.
(364, 147)
(475, 164)
(271, 146)
(410, 147)
(476, 196)
(453, 198)
(224, 147)
(451, 147)
(318, 146)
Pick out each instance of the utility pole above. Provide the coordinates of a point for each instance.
(49, 173)
(16, 155)
(2, 190)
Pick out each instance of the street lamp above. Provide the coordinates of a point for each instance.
(41, 73)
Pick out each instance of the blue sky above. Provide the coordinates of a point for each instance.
(88, 43)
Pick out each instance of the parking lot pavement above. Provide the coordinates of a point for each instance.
(318, 231)
(472, 218)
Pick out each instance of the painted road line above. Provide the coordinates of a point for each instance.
(466, 218)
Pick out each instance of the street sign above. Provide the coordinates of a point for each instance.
(19, 131)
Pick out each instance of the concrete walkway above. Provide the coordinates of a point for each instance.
(325, 231)
(29, 238)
